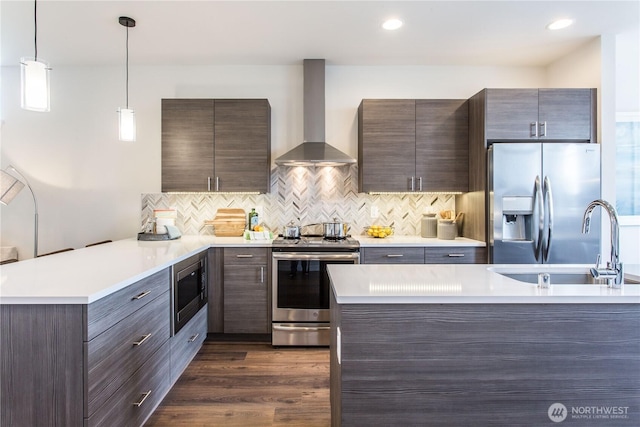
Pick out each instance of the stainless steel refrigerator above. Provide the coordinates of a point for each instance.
(538, 193)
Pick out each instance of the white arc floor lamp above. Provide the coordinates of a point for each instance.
(10, 186)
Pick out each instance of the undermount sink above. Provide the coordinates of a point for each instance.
(559, 274)
(558, 278)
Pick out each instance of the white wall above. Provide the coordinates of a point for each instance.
(610, 63)
(89, 184)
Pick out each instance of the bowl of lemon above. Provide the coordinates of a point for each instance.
(379, 231)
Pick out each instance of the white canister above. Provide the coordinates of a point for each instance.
(447, 229)
(429, 225)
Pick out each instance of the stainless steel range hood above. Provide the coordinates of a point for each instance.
(314, 151)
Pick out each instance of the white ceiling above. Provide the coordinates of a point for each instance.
(502, 33)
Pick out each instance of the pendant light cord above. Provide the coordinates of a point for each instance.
(35, 25)
(127, 62)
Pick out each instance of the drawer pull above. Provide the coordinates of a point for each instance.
(394, 255)
(244, 256)
(193, 338)
(141, 401)
(142, 295)
(456, 255)
(144, 338)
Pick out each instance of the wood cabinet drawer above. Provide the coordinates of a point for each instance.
(234, 256)
(113, 356)
(138, 397)
(109, 310)
(455, 255)
(186, 343)
(393, 255)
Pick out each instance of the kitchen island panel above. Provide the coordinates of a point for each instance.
(41, 370)
(432, 364)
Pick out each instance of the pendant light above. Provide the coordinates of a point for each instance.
(34, 76)
(126, 115)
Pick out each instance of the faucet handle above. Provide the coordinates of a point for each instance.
(598, 261)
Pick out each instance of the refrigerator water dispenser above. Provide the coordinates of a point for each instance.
(517, 214)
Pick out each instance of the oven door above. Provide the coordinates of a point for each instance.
(301, 284)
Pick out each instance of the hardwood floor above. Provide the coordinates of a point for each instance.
(249, 384)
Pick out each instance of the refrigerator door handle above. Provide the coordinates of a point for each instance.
(538, 200)
(548, 204)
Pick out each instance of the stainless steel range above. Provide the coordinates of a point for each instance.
(301, 287)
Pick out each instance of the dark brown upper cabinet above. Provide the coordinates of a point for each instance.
(442, 145)
(539, 114)
(386, 144)
(216, 145)
(409, 145)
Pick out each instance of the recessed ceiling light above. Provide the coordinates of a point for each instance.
(392, 24)
(560, 24)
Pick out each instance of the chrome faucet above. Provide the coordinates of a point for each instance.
(614, 270)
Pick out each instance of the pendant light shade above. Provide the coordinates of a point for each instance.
(126, 115)
(34, 77)
(127, 124)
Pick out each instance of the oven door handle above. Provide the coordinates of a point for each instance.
(301, 328)
(321, 256)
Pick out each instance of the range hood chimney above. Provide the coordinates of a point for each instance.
(314, 151)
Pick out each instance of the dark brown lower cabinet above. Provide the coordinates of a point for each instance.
(246, 291)
(104, 364)
(423, 255)
(484, 364)
(186, 343)
(455, 255)
(392, 255)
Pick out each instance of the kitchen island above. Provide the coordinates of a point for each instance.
(462, 345)
(86, 336)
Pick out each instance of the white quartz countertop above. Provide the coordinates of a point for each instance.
(85, 275)
(462, 284)
(366, 241)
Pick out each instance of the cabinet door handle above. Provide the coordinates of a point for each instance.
(413, 183)
(543, 129)
(261, 274)
(141, 295)
(419, 183)
(141, 401)
(244, 256)
(456, 255)
(217, 183)
(394, 255)
(144, 338)
(208, 183)
(193, 338)
(533, 129)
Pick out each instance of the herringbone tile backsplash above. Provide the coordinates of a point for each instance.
(306, 196)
